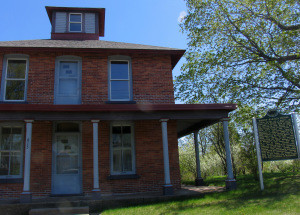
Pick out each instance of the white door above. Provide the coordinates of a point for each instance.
(66, 164)
(68, 83)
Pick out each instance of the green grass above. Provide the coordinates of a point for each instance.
(281, 196)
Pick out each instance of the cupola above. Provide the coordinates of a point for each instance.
(73, 23)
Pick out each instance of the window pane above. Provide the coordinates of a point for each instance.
(16, 69)
(67, 164)
(5, 139)
(68, 69)
(120, 90)
(126, 136)
(67, 154)
(117, 159)
(15, 90)
(67, 127)
(75, 26)
(127, 160)
(75, 17)
(119, 70)
(116, 136)
(15, 163)
(4, 163)
(16, 142)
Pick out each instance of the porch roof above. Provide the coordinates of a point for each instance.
(190, 117)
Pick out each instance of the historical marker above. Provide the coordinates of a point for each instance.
(276, 137)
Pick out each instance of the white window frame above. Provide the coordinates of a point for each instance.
(15, 79)
(128, 80)
(75, 22)
(123, 123)
(12, 125)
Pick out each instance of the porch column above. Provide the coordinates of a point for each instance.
(96, 189)
(199, 180)
(230, 182)
(26, 194)
(167, 188)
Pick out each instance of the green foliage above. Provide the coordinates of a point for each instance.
(243, 51)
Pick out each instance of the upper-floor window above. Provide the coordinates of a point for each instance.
(11, 144)
(14, 79)
(120, 87)
(75, 22)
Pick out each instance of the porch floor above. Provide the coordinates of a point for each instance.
(106, 201)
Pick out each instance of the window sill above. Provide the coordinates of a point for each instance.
(120, 102)
(119, 177)
(13, 102)
(11, 180)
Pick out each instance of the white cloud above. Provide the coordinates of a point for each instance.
(181, 16)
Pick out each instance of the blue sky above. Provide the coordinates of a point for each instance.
(149, 22)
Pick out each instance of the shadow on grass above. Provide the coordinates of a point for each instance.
(278, 186)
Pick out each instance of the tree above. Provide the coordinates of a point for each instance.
(242, 51)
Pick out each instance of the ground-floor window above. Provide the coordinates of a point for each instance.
(122, 149)
(11, 144)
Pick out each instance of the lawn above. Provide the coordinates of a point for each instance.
(281, 196)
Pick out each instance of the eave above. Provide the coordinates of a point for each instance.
(189, 117)
(175, 54)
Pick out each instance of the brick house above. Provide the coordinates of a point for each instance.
(83, 116)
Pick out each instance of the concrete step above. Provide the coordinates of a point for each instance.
(59, 211)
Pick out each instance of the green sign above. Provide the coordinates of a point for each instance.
(276, 137)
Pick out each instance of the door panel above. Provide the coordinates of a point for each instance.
(68, 81)
(66, 164)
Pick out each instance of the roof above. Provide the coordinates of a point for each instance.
(80, 44)
(189, 117)
(92, 45)
(100, 11)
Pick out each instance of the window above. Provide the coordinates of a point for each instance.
(11, 145)
(15, 79)
(120, 79)
(122, 149)
(75, 22)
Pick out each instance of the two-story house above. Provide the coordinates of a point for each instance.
(83, 116)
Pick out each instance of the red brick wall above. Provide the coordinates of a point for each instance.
(151, 77)
(149, 160)
(41, 158)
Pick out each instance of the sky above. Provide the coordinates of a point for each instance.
(148, 22)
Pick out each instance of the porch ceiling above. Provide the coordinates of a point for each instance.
(190, 117)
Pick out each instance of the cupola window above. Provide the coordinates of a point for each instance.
(75, 22)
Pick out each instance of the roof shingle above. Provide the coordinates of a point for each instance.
(80, 44)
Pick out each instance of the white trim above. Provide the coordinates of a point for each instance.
(15, 79)
(164, 128)
(26, 187)
(123, 123)
(95, 156)
(75, 22)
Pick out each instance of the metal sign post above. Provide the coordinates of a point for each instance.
(295, 123)
(261, 180)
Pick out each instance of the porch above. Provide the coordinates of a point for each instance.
(107, 201)
(157, 128)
